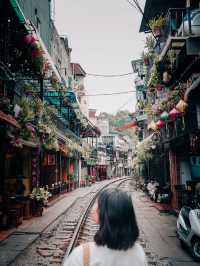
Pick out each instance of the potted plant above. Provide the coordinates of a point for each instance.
(40, 198)
(156, 24)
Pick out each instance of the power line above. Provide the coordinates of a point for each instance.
(124, 104)
(132, 4)
(113, 93)
(111, 75)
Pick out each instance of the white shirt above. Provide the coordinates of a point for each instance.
(103, 256)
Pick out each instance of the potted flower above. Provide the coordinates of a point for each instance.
(156, 24)
(40, 198)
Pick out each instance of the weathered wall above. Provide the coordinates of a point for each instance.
(39, 12)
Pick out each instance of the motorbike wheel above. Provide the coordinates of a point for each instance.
(195, 249)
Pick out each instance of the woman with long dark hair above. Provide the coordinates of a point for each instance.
(115, 243)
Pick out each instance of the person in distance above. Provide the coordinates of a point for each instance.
(115, 243)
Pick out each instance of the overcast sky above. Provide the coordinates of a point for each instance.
(104, 37)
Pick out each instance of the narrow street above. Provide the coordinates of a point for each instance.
(43, 241)
(97, 94)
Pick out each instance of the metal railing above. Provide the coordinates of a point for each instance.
(180, 22)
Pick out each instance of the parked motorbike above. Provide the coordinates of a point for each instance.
(188, 229)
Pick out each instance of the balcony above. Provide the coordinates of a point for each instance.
(182, 29)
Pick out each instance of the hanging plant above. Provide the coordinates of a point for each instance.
(37, 63)
(150, 43)
(26, 133)
(26, 113)
(154, 80)
(28, 88)
(156, 25)
(38, 106)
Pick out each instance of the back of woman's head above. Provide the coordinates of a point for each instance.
(118, 226)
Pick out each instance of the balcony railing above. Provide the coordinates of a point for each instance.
(180, 24)
(174, 129)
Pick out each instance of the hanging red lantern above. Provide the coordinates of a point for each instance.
(173, 114)
(160, 124)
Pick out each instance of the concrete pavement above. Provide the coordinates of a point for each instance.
(160, 231)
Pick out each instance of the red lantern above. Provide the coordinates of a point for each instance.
(160, 124)
(173, 114)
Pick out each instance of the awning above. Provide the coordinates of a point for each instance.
(9, 119)
(131, 124)
(18, 11)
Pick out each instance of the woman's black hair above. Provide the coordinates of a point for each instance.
(118, 226)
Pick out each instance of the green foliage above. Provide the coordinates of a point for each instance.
(117, 120)
(156, 22)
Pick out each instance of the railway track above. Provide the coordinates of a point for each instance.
(73, 228)
(85, 228)
(59, 239)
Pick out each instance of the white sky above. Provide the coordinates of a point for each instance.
(104, 37)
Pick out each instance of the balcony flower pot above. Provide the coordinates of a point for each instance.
(38, 208)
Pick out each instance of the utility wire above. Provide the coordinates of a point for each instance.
(113, 93)
(124, 104)
(111, 75)
(132, 4)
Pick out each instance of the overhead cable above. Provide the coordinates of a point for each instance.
(111, 75)
(113, 93)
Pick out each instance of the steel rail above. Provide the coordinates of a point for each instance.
(85, 215)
